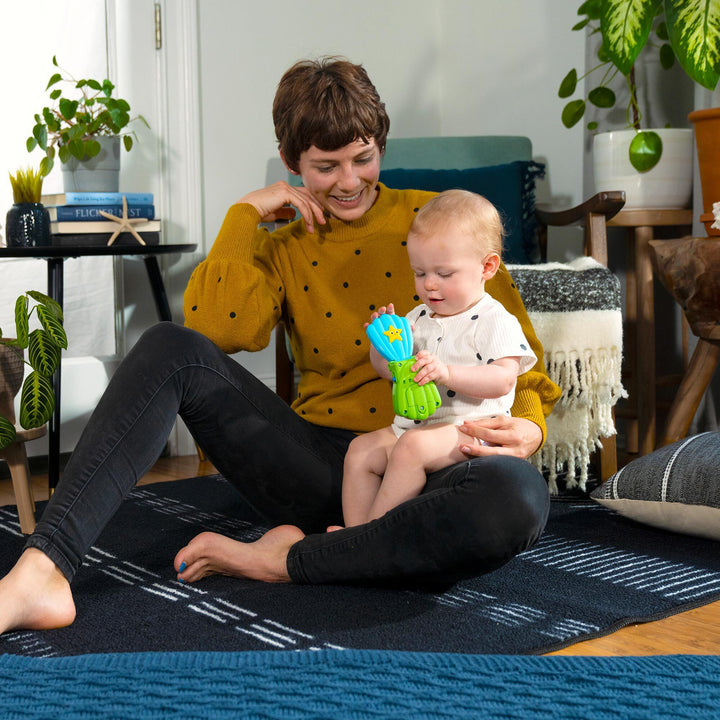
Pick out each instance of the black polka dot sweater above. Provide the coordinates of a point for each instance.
(324, 286)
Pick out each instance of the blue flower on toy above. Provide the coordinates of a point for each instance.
(391, 336)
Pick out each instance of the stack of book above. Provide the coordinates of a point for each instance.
(76, 218)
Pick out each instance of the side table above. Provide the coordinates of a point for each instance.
(640, 311)
(689, 268)
(55, 257)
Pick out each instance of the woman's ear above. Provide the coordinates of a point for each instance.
(285, 163)
(491, 263)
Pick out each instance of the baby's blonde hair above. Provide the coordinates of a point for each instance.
(475, 215)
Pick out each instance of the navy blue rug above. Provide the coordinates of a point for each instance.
(591, 573)
(338, 685)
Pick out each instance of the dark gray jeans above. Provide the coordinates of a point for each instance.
(470, 519)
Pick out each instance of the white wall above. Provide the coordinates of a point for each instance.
(447, 67)
(443, 67)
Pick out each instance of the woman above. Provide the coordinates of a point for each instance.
(320, 275)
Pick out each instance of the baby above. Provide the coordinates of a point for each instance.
(465, 341)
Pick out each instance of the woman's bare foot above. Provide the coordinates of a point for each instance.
(35, 595)
(213, 554)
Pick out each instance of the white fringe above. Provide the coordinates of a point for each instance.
(584, 357)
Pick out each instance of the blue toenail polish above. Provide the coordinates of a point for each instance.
(182, 567)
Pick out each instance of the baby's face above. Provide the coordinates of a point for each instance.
(448, 270)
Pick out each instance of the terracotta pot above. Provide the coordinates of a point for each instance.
(12, 371)
(707, 140)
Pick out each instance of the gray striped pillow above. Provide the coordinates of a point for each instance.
(675, 488)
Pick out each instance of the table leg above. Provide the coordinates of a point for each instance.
(55, 291)
(697, 377)
(158, 288)
(645, 340)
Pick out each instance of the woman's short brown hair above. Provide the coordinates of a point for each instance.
(329, 103)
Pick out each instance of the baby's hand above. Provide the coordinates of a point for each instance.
(390, 310)
(429, 367)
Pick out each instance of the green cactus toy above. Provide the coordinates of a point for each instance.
(391, 336)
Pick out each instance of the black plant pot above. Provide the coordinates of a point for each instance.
(27, 225)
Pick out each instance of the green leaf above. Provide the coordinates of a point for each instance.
(591, 8)
(56, 78)
(46, 166)
(64, 153)
(626, 26)
(40, 134)
(127, 142)
(92, 148)
(37, 401)
(94, 84)
(55, 94)
(22, 323)
(68, 108)
(667, 56)
(592, 125)
(52, 325)
(694, 30)
(582, 24)
(661, 31)
(645, 150)
(602, 97)
(573, 112)
(568, 85)
(31, 144)
(77, 148)
(43, 353)
(7, 432)
(52, 305)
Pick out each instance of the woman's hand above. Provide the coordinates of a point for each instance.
(505, 435)
(272, 204)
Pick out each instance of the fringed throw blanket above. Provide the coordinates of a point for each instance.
(575, 310)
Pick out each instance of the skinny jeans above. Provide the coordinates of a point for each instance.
(471, 518)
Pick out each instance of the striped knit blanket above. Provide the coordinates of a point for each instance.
(576, 312)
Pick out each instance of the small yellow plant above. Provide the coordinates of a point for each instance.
(27, 185)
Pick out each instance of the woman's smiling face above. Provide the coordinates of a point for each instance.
(343, 181)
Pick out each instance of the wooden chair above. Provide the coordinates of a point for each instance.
(11, 376)
(464, 153)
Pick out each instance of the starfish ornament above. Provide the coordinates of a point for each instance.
(126, 224)
(393, 333)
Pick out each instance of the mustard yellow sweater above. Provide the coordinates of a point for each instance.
(324, 286)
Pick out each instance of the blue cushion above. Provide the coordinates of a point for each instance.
(510, 187)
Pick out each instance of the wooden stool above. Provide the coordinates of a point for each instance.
(690, 269)
(640, 315)
(11, 375)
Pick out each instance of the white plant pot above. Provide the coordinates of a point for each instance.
(667, 185)
(98, 174)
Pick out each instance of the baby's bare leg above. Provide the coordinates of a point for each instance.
(365, 464)
(417, 453)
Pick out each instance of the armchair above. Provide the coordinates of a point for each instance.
(501, 168)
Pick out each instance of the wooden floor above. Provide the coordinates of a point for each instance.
(693, 632)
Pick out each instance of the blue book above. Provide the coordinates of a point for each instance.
(73, 213)
(107, 198)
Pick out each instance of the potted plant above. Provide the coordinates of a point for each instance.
(83, 126)
(44, 344)
(28, 222)
(688, 32)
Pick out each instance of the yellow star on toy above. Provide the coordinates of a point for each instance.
(393, 333)
(126, 224)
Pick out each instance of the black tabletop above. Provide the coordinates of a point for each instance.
(66, 251)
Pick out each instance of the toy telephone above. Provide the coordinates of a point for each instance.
(391, 336)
